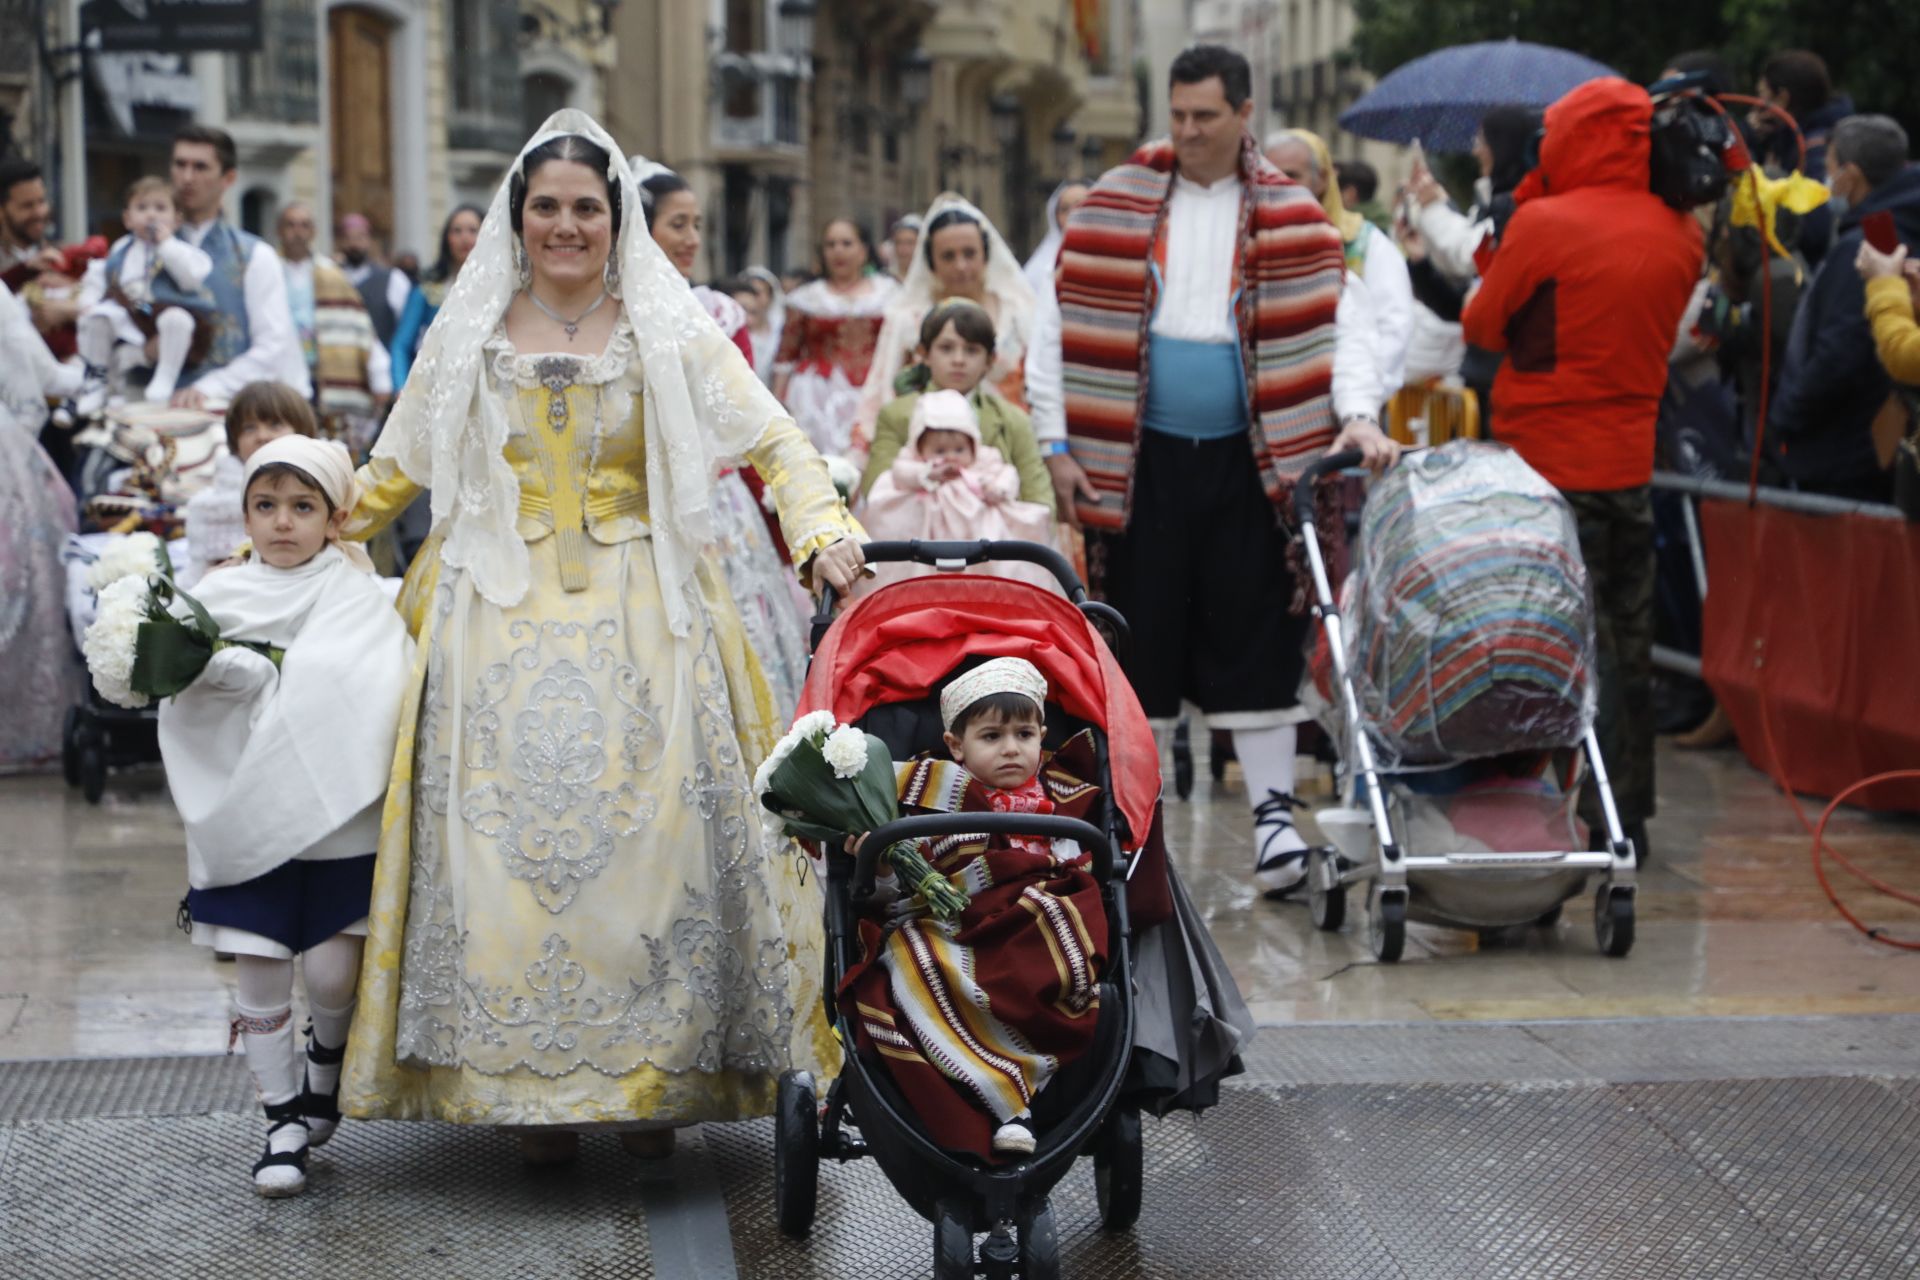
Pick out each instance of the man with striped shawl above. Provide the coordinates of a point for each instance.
(1201, 370)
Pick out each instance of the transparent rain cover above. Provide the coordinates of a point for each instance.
(1471, 621)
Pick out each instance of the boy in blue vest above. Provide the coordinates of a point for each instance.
(146, 302)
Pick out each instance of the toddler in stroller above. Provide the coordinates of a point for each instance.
(972, 1018)
(1159, 1023)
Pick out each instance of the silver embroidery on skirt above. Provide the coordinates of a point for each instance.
(573, 739)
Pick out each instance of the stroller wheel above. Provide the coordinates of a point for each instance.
(93, 772)
(1613, 921)
(796, 1153)
(952, 1245)
(70, 746)
(1182, 760)
(1387, 925)
(1118, 1170)
(1326, 896)
(1040, 1247)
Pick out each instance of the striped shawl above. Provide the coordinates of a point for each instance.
(343, 337)
(1291, 267)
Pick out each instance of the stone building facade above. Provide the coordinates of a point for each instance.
(784, 114)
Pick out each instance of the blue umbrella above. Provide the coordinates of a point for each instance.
(1440, 98)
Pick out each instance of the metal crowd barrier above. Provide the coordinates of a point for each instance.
(1693, 489)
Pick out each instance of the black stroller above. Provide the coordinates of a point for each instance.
(1082, 1112)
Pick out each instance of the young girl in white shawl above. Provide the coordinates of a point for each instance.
(280, 775)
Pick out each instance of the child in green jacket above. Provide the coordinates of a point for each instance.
(955, 352)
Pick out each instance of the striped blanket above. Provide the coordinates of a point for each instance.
(1291, 272)
(1473, 632)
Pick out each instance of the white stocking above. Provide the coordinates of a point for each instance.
(175, 333)
(263, 1020)
(332, 973)
(1266, 758)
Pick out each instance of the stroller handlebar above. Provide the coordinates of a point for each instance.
(970, 553)
(1325, 466)
(920, 827)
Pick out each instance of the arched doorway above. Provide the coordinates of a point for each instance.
(359, 58)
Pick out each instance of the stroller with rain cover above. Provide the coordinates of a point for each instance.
(1462, 641)
(881, 666)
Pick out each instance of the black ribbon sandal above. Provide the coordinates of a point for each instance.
(322, 1110)
(274, 1185)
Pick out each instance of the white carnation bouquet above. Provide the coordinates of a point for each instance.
(825, 781)
(136, 648)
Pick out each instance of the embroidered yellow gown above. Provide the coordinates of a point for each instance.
(576, 916)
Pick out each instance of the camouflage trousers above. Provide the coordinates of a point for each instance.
(1616, 541)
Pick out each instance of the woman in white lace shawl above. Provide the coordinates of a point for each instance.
(960, 256)
(577, 919)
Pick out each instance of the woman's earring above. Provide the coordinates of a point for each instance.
(524, 267)
(613, 273)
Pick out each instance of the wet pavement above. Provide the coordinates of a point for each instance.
(1524, 1107)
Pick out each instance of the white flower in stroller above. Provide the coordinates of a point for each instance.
(846, 750)
(111, 639)
(806, 728)
(135, 555)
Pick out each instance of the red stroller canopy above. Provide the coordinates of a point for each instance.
(899, 643)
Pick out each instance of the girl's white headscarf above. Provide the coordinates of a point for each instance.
(449, 429)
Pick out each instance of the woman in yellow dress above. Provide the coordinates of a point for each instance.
(577, 919)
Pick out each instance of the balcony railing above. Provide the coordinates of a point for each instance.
(281, 83)
(763, 116)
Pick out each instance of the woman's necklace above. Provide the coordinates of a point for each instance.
(571, 326)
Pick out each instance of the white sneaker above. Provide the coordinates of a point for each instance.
(1013, 1139)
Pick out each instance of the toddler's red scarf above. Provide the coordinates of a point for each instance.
(1291, 261)
(1029, 797)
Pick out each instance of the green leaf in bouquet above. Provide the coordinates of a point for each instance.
(168, 656)
(801, 829)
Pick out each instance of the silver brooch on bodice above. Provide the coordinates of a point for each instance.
(556, 373)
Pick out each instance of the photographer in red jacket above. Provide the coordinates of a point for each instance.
(1585, 295)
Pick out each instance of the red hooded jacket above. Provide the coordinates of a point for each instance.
(1585, 295)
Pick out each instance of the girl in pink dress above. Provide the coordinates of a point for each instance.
(948, 486)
